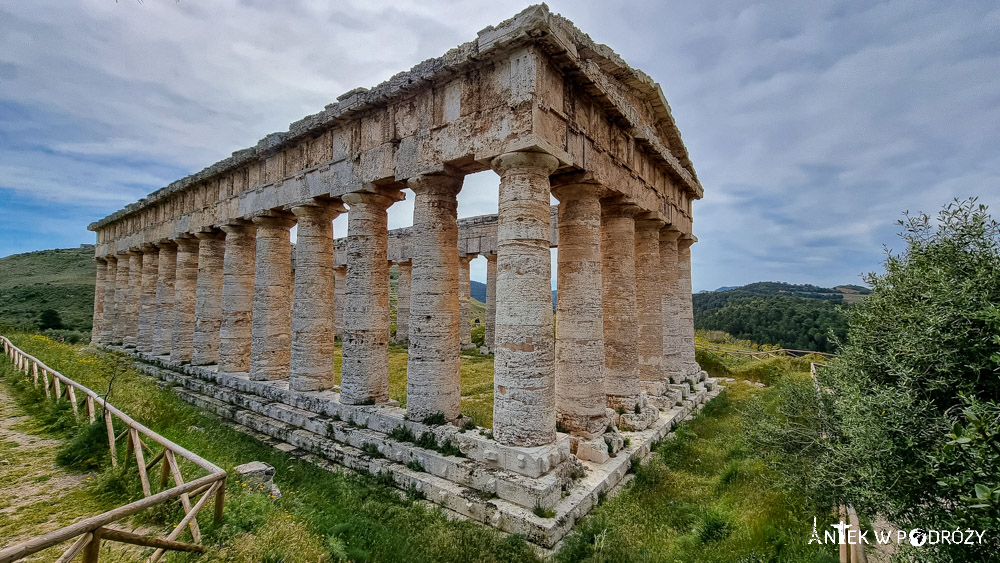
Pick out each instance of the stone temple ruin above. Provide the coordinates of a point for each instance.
(196, 280)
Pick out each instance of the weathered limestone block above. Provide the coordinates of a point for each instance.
(340, 295)
(235, 334)
(99, 290)
(464, 322)
(403, 302)
(433, 383)
(271, 333)
(489, 339)
(621, 331)
(673, 367)
(649, 302)
(313, 308)
(147, 298)
(593, 449)
(365, 365)
(110, 283)
(685, 305)
(185, 291)
(258, 477)
(524, 411)
(165, 280)
(121, 299)
(208, 299)
(579, 370)
(131, 331)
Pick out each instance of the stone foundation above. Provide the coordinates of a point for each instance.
(490, 483)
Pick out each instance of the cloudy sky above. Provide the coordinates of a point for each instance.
(812, 125)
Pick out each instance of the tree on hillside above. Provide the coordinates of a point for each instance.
(49, 318)
(913, 397)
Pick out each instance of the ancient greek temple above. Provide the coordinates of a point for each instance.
(198, 280)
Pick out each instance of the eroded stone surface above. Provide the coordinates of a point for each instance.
(166, 273)
(147, 299)
(271, 332)
(403, 302)
(185, 291)
(621, 331)
(236, 332)
(208, 298)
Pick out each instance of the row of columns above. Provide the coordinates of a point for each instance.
(227, 296)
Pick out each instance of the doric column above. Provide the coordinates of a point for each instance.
(339, 296)
(673, 364)
(208, 299)
(99, 290)
(121, 299)
(108, 318)
(464, 323)
(580, 397)
(524, 411)
(649, 300)
(147, 298)
(433, 383)
(685, 306)
(185, 292)
(621, 329)
(313, 307)
(131, 331)
(271, 333)
(489, 333)
(166, 272)
(365, 365)
(237, 297)
(403, 302)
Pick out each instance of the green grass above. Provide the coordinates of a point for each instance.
(60, 279)
(702, 497)
(343, 515)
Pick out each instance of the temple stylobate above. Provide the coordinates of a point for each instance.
(200, 279)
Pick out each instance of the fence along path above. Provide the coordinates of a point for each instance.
(760, 354)
(89, 532)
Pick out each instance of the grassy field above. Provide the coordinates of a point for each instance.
(61, 279)
(702, 497)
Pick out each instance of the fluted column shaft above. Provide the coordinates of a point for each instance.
(685, 305)
(649, 303)
(147, 299)
(235, 334)
(489, 338)
(621, 329)
(271, 332)
(208, 299)
(673, 364)
(403, 302)
(433, 382)
(580, 397)
(365, 365)
(108, 318)
(313, 308)
(524, 382)
(339, 296)
(464, 323)
(99, 291)
(185, 295)
(121, 298)
(131, 331)
(166, 273)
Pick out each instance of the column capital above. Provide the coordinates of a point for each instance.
(238, 227)
(649, 221)
(686, 240)
(186, 241)
(545, 163)
(370, 198)
(669, 233)
(149, 248)
(274, 221)
(578, 190)
(448, 183)
(165, 244)
(491, 257)
(101, 260)
(619, 207)
(214, 234)
(319, 209)
(468, 257)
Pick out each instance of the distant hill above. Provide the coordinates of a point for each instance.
(60, 279)
(800, 316)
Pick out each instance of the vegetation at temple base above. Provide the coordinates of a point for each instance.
(802, 317)
(60, 281)
(704, 497)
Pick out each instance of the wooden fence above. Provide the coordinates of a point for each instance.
(760, 354)
(89, 533)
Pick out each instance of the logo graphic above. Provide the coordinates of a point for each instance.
(918, 537)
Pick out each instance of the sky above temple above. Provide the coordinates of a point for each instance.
(812, 125)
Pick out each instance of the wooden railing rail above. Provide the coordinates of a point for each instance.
(91, 531)
(758, 354)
